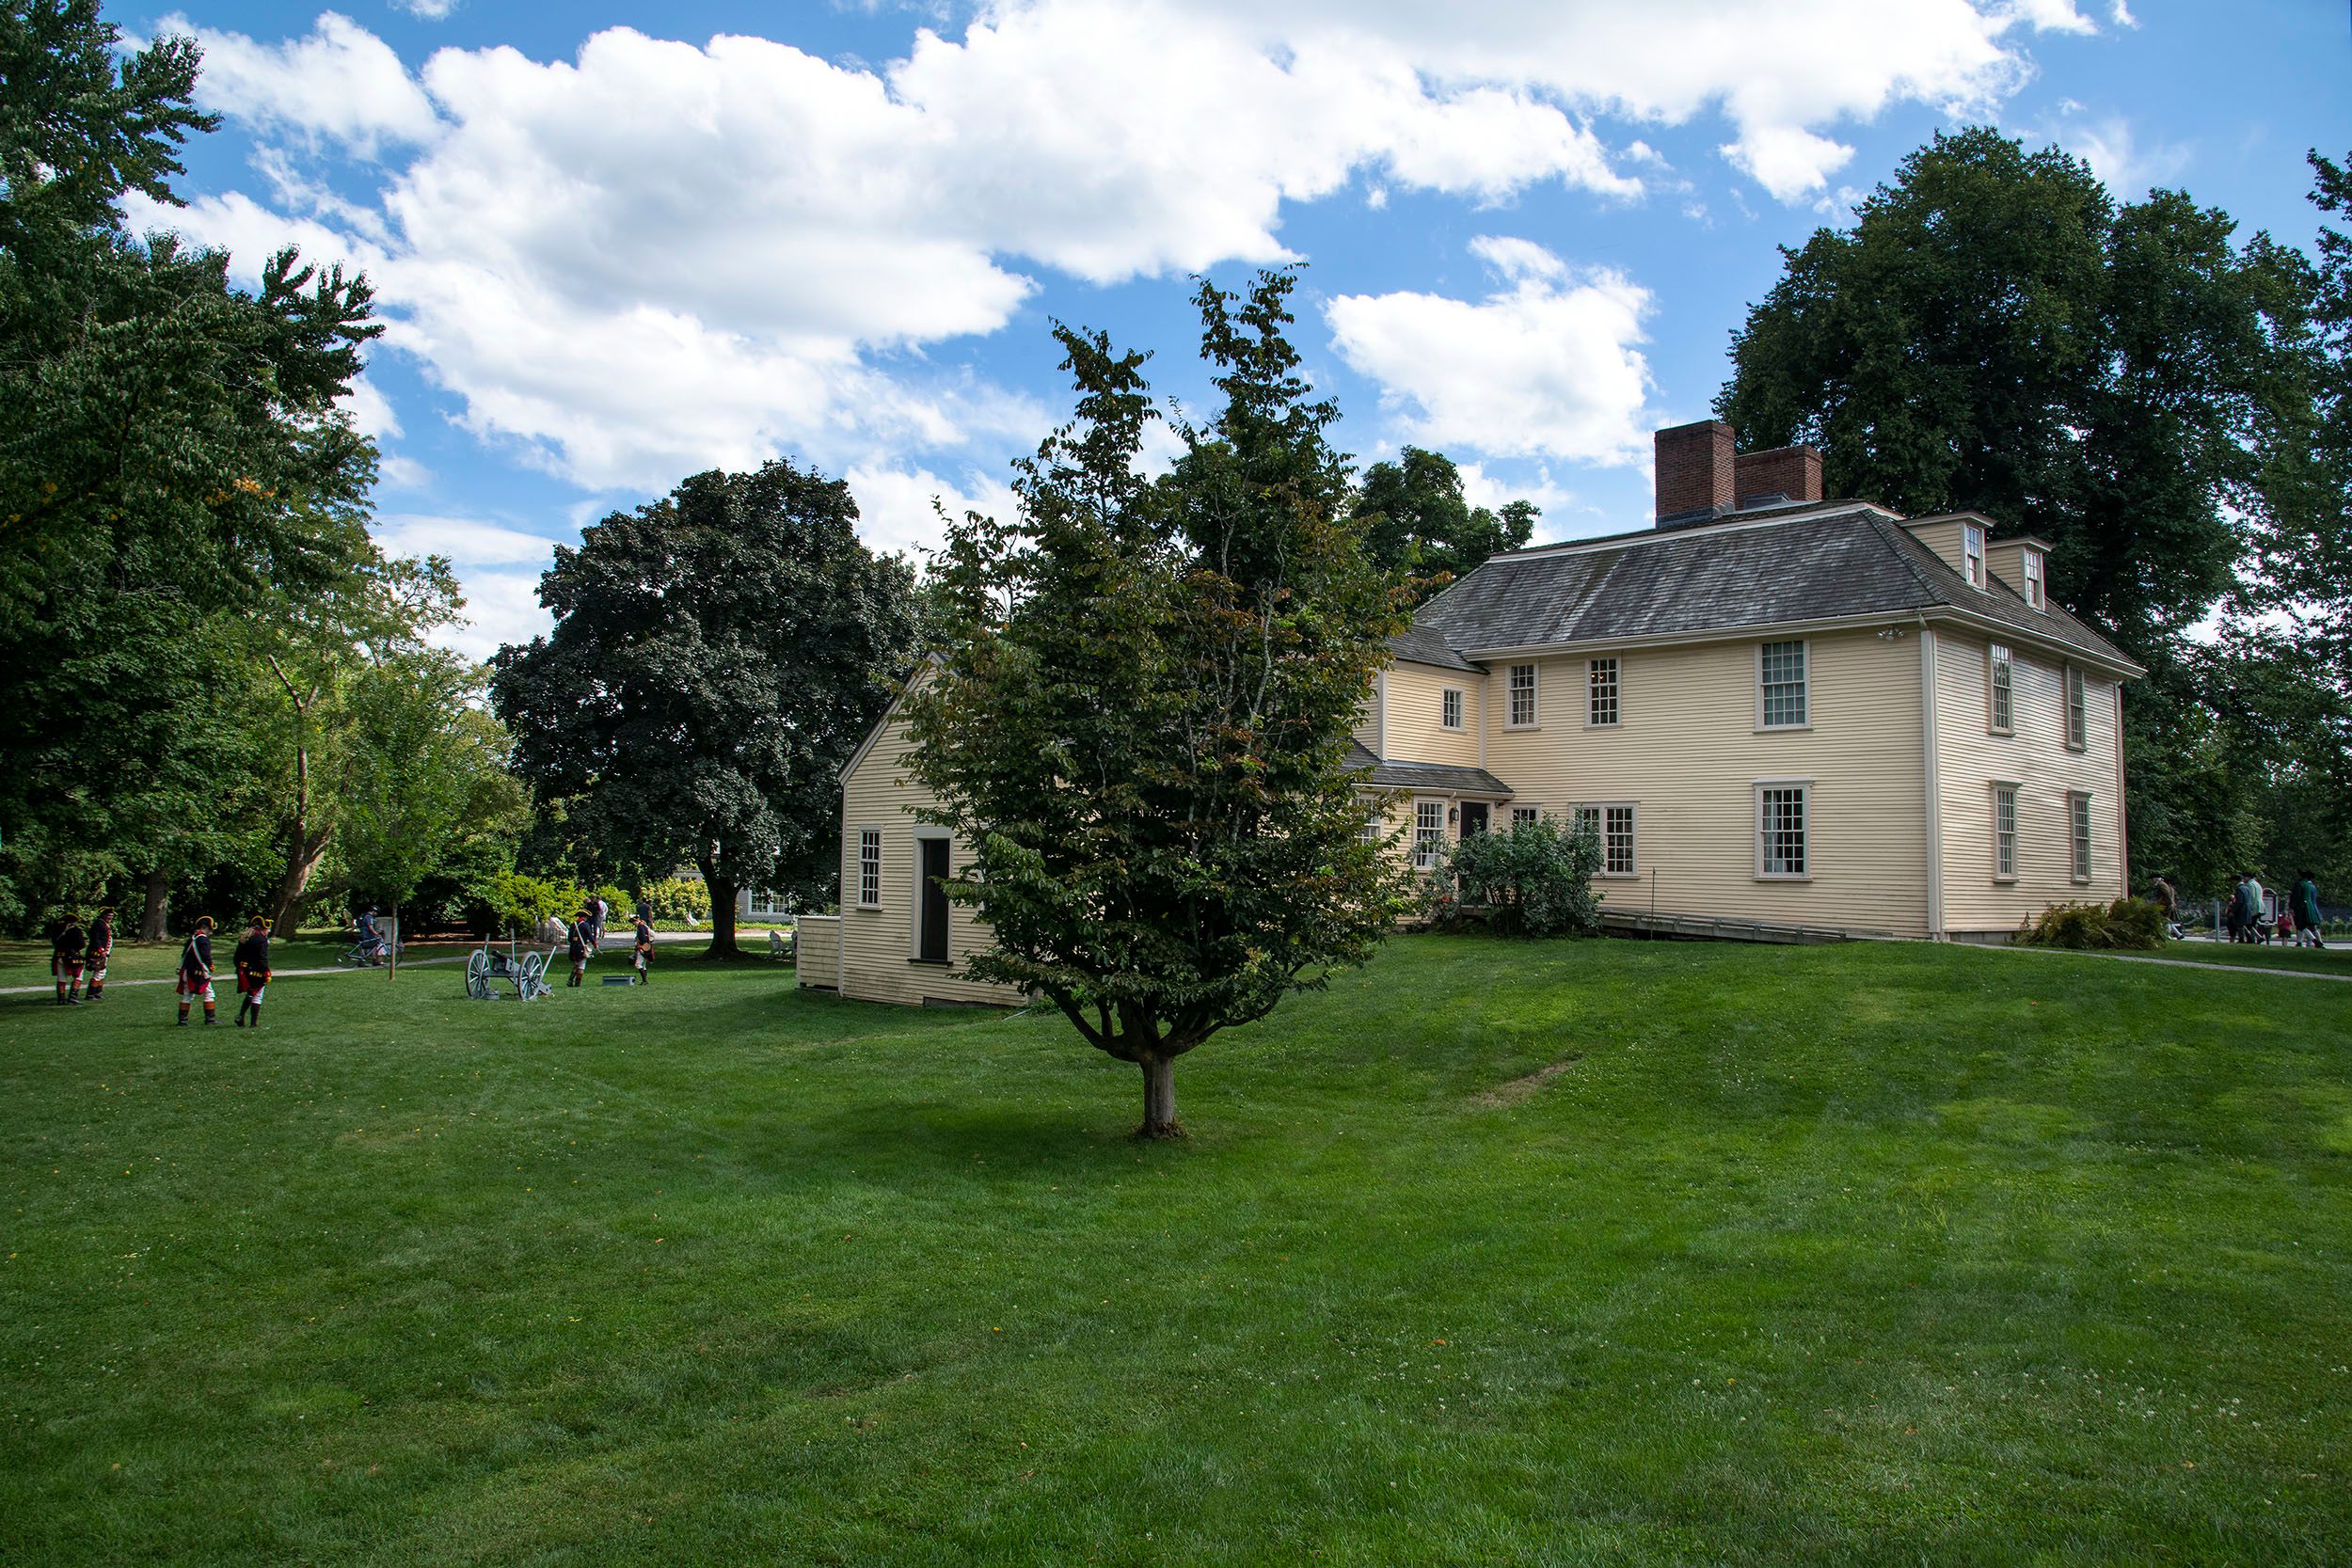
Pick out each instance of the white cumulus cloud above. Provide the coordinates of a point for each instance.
(1546, 366)
(341, 82)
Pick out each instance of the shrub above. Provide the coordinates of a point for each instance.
(679, 899)
(1533, 879)
(2126, 923)
(525, 903)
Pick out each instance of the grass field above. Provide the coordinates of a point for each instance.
(1605, 1252)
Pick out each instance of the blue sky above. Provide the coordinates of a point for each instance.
(618, 242)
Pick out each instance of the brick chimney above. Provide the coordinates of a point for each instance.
(1783, 473)
(1695, 471)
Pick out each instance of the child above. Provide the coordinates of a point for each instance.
(196, 971)
(252, 961)
(577, 934)
(65, 959)
(102, 946)
(645, 946)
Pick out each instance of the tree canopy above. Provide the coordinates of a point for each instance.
(717, 655)
(1995, 333)
(1416, 519)
(1141, 723)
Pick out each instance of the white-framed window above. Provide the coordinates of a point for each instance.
(1525, 813)
(1429, 832)
(869, 868)
(766, 904)
(2001, 673)
(1614, 824)
(1602, 680)
(1521, 715)
(1784, 850)
(1780, 686)
(2077, 721)
(1450, 707)
(2078, 833)
(1375, 823)
(2004, 832)
(1972, 553)
(2030, 566)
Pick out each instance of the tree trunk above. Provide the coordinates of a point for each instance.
(1159, 1099)
(305, 848)
(721, 918)
(158, 897)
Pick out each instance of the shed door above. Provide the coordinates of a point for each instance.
(930, 905)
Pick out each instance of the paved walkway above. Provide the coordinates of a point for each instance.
(2182, 963)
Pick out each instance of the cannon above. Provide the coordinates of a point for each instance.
(527, 973)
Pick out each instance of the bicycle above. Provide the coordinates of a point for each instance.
(368, 955)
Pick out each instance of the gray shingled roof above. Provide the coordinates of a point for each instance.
(1817, 565)
(1421, 645)
(1428, 778)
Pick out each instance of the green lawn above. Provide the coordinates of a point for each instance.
(2335, 959)
(1604, 1252)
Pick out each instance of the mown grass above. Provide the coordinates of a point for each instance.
(2335, 959)
(1494, 1254)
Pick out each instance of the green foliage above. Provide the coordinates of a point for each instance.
(2132, 923)
(1416, 520)
(678, 898)
(424, 767)
(717, 655)
(1531, 879)
(525, 904)
(1141, 725)
(170, 455)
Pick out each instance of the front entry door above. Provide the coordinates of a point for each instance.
(931, 908)
(1473, 817)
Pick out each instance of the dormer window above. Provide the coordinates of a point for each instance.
(1972, 553)
(2030, 568)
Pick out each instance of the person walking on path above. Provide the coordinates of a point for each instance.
(577, 934)
(102, 946)
(252, 961)
(2168, 899)
(2307, 908)
(65, 958)
(2257, 908)
(2235, 915)
(196, 971)
(644, 947)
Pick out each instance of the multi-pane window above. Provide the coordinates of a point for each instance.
(1781, 849)
(766, 904)
(2077, 726)
(1450, 708)
(2005, 831)
(1780, 673)
(1613, 825)
(1603, 684)
(1429, 832)
(2032, 568)
(2003, 689)
(1524, 814)
(1375, 824)
(2078, 831)
(1972, 554)
(869, 867)
(1521, 713)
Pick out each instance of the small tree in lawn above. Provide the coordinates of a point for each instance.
(422, 761)
(717, 656)
(1141, 722)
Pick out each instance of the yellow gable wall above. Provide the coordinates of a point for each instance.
(1971, 759)
(1415, 720)
(877, 944)
(1687, 752)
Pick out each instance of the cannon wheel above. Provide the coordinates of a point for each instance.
(478, 974)
(534, 979)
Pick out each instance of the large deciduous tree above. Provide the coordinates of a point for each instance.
(1416, 519)
(170, 445)
(1996, 334)
(1141, 723)
(717, 655)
